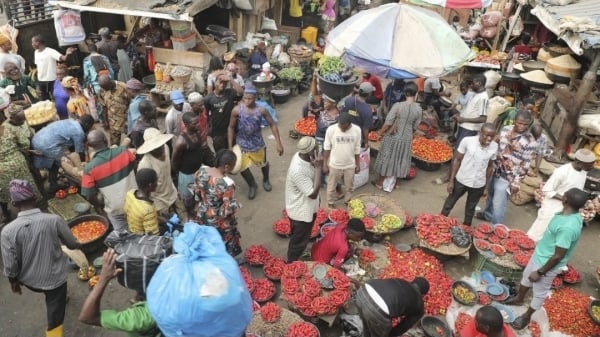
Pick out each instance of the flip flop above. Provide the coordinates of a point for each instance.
(374, 183)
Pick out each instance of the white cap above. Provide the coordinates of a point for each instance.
(266, 66)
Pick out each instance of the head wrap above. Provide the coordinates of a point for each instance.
(69, 82)
(20, 190)
(12, 110)
(250, 91)
(3, 39)
(306, 144)
(195, 97)
(585, 156)
(134, 84)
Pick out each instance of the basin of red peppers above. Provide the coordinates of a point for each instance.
(416, 263)
(434, 229)
(567, 311)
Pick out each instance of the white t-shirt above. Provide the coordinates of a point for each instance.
(476, 107)
(343, 145)
(298, 186)
(471, 172)
(45, 61)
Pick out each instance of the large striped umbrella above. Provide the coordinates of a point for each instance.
(456, 4)
(399, 41)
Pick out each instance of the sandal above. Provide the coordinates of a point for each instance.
(374, 183)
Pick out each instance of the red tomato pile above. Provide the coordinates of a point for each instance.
(273, 268)
(483, 298)
(257, 255)
(339, 216)
(431, 150)
(247, 278)
(304, 292)
(88, 231)
(302, 329)
(571, 276)
(270, 312)
(567, 311)
(461, 321)
(264, 290)
(369, 223)
(366, 255)
(435, 229)
(418, 263)
(557, 282)
(306, 126)
(409, 220)
(282, 226)
(501, 241)
(535, 329)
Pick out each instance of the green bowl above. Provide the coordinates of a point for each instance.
(98, 263)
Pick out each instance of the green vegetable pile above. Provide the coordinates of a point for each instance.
(331, 65)
(291, 73)
(357, 209)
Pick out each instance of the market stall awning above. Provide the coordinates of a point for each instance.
(578, 24)
(456, 4)
(160, 9)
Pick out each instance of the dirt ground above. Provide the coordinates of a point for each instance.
(24, 315)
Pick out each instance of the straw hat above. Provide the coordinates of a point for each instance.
(153, 139)
(238, 161)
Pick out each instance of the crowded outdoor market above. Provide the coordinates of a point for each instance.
(266, 168)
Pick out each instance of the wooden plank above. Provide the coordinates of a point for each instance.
(192, 59)
(548, 112)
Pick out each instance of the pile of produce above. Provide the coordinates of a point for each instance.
(534, 329)
(257, 255)
(88, 231)
(416, 263)
(339, 216)
(484, 56)
(319, 220)
(291, 73)
(270, 312)
(374, 136)
(567, 311)
(437, 230)
(264, 290)
(306, 126)
(248, 280)
(273, 268)
(40, 113)
(298, 50)
(431, 150)
(461, 321)
(366, 256)
(388, 223)
(510, 244)
(333, 69)
(464, 294)
(282, 226)
(304, 292)
(302, 329)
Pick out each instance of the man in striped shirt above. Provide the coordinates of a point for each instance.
(32, 255)
(110, 172)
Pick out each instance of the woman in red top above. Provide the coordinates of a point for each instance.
(334, 248)
(488, 322)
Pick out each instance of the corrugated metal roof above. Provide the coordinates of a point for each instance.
(578, 23)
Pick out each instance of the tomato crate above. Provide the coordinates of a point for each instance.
(509, 274)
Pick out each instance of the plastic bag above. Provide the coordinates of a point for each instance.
(268, 24)
(491, 18)
(68, 27)
(364, 160)
(488, 32)
(389, 183)
(199, 291)
(138, 256)
(244, 5)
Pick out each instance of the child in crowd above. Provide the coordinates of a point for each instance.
(141, 213)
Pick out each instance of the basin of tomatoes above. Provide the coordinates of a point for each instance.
(306, 126)
(88, 231)
(431, 150)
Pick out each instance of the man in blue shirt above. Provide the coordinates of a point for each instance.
(50, 142)
(551, 254)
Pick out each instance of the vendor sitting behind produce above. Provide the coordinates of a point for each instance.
(266, 74)
(257, 59)
(334, 247)
(488, 322)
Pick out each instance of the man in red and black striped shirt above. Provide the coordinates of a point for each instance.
(110, 172)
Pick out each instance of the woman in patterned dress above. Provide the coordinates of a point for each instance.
(217, 205)
(15, 136)
(394, 158)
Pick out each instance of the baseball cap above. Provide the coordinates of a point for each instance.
(177, 97)
(366, 88)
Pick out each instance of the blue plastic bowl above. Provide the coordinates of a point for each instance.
(487, 277)
(494, 289)
(507, 313)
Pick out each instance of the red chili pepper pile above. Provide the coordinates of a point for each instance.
(257, 255)
(273, 268)
(418, 263)
(247, 278)
(270, 312)
(319, 220)
(366, 255)
(461, 321)
(567, 311)
(295, 269)
(302, 329)
(264, 290)
(483, 298)
(339, 216)
(571, 276)
(320, 305)
(501, 241)
(535, 329)
(340, 280)
(282, 226)
(338, 297)
(435, 229)
(431, 150)
(311, 287)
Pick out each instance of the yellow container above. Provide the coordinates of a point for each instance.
(158, 75)
(310, 34)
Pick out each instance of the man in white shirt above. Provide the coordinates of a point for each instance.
(474, 114)
(570, 175)
(179, 107)
(471, 171)
(302, 186)
(45, 59)
(342, 148)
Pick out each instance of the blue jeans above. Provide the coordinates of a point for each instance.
(497, 199)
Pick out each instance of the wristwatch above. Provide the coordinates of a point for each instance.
(540, 273)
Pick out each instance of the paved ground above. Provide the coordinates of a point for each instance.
(24, 315)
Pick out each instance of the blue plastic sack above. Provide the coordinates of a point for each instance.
(270, 109)
(199, 292)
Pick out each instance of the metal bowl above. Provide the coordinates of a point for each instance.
(430, 325)
(468, 287)
(533, 65)
(96, 244)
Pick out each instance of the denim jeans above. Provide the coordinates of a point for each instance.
(497, 199)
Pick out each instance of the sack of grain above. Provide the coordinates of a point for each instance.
(488, 32)
(496, 106)
(491, 18)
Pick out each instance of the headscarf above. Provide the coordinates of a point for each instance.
(12, 110)
(20, 190)
(134, 84)
(70, 82)
(3, 39)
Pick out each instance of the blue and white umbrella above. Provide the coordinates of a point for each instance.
(399, 41)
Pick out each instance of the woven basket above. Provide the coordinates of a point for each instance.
(447, 249)
(259, 327)
(184, 77)
(386, 205)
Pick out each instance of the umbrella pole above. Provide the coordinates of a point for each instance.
(511, 26)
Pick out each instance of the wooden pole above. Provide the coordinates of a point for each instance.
(575, 108)
(511, 27)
